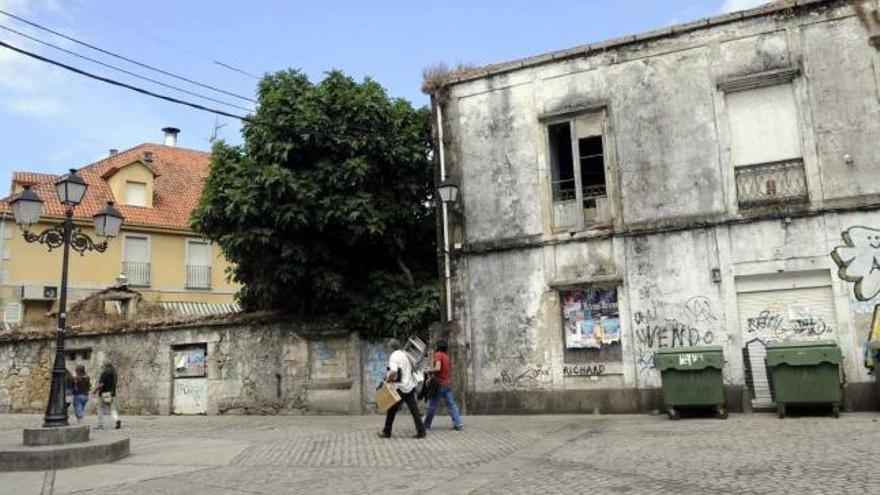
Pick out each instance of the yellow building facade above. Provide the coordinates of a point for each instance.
(156, 188)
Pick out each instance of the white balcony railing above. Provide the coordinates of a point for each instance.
(137, 273)
(198, 277)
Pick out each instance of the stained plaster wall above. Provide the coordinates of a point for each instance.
(668, 163)
(251, 369)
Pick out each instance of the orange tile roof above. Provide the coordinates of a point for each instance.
(31, 178)
(176, 190)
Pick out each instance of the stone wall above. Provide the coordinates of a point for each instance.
(249, 368)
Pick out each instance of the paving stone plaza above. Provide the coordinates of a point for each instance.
(634, 454)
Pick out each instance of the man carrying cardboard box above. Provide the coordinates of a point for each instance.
(400, 373)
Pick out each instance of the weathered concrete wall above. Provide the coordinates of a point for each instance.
(843, 76)
(682, 254)
(250, 369)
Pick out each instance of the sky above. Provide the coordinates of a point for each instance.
(52, 119)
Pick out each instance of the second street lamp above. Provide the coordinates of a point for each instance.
(26, 208)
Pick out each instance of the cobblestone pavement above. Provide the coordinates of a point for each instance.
(495, 455)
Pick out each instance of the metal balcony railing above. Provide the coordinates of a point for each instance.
(564, 190)
(137, 273)
(198, 277)
(773, 183)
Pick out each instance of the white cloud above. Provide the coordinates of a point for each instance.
(736, 5)
(35, 106)
(27, 6)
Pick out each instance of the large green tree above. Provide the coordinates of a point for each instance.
(325, 210)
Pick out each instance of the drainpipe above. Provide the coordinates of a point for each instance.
(447, 271)
(2, 261)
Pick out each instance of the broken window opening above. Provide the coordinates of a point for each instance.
(579, 193)
(592, 159)
(562, 162)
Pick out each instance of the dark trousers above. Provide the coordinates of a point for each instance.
(410, 400)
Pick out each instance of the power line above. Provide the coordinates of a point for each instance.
(197, 106)
(125, 85)
(119, 69)
(163, 40)
(122, 57)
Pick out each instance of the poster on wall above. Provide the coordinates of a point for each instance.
(591, 318)
(189, 362)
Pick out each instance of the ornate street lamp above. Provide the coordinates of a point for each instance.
(26, 208)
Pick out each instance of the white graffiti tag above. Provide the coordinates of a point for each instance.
(858, 261)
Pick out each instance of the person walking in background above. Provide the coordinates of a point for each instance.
(400, 373)
(82, 385)
(440, 370)
(106, 392)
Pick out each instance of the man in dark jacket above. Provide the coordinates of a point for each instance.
(106, 392)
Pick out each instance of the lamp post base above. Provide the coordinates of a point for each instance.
(60, 448)
(56, 436)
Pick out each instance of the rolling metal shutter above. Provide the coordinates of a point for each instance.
(779, 307)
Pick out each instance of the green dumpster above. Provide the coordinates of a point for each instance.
(691, 378)
(806, 372)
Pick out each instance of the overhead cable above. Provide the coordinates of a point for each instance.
(122, 57)
(119, 69)
(197, 106)
(124, 85)
(150, 35)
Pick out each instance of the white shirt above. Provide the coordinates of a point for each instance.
(399, 362)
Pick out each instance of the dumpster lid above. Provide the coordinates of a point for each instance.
(686, 350)
(794, 344)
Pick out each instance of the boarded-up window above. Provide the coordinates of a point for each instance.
(135, 193)
(763, 125)
(591, 323)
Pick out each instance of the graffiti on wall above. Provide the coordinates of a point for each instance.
(858, 261)
(190, 396)
(523, 375)
(772, 324)
(583, 370)
(691, 323)
(519, 365)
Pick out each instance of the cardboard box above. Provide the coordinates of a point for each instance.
(386, 396)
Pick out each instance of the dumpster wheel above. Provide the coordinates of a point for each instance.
(780, 410)
(835, 410)
(673, 414)
(721, 412)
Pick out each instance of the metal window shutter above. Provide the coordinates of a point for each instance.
(137, 249)
(778, 315)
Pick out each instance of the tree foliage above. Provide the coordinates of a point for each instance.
(326, 207)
